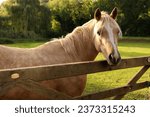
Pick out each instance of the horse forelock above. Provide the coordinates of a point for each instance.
(106, 19)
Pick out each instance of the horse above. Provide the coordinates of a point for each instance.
(84, 43)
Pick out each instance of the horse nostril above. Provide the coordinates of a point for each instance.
(110, 56)
(112, 59)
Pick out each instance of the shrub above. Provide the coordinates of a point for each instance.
(6, 41)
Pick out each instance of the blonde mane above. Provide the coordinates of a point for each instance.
(78, 40)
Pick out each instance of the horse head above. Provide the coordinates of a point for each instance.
(106, 34)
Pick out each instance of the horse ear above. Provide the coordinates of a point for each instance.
(114, 13)
(97, 14)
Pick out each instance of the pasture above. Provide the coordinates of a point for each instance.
(107, 80)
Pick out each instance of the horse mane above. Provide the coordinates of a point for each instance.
(82, 31)
(78, 39)
(78, 31)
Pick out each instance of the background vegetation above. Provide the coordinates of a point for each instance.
(34, 19)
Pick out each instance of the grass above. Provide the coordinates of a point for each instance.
(107, 80)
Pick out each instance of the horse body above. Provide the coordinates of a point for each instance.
(54, 52)
(76, 46)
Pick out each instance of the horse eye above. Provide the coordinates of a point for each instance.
(99, 33)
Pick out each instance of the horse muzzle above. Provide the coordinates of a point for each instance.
(113, 60)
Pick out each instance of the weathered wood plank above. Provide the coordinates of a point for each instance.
(113, 92)
(49, 72)
(134, 80)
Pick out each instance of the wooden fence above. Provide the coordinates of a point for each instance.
(28, 77)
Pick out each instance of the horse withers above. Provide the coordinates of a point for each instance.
(83, 44)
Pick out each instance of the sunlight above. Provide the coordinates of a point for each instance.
(1, 1)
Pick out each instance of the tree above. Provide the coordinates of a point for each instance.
(70, 13)
(28, 18)
(135, 17)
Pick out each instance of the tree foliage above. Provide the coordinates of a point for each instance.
(133, 17)
(32, 19)
(26, 18)
(70, 13)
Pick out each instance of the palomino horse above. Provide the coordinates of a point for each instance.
(83, 44)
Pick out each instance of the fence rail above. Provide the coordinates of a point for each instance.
(49, 72)
(115, 91)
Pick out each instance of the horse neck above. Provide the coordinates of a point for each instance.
(79, 43)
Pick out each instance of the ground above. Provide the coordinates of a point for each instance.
(107, 80)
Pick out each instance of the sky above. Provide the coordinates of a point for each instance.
(1, 1)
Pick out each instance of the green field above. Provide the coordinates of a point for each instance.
(107, 80)
(112, 79)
